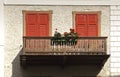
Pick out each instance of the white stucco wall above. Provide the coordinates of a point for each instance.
(1, 39)
(1, 23)
(115, 41)
(61, 19)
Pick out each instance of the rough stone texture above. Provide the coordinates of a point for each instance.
(115, 41)
(61, 19)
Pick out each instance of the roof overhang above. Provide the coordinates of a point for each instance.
(62, 2)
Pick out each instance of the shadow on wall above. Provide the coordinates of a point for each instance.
(53, 71)
(16, 68)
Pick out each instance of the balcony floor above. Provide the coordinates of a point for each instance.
(64, 59)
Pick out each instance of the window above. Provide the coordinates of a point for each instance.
(37, 23)
(87, 23)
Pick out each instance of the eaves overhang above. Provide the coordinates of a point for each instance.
(62, 2)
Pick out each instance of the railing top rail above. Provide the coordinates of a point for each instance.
(49, 37)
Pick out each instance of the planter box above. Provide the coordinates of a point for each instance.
(63, 41)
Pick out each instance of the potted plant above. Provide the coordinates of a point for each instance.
(68, 38)
(71, 37)
(56, 40)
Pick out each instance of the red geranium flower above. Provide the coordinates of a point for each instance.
(65, 33)
(72, 30)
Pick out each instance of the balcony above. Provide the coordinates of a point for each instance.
(46, 51)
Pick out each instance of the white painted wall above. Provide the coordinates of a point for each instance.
(1, 40)
(63, 2)
(115, 41)
(61, 19)
(114, 29)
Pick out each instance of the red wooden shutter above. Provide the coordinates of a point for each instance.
(31, 24)
(86, 24)
(43, 25)
(92, 25)
(81, 24)
(37, 24)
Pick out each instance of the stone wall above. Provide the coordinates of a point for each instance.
(61, 19)
(115, 41)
